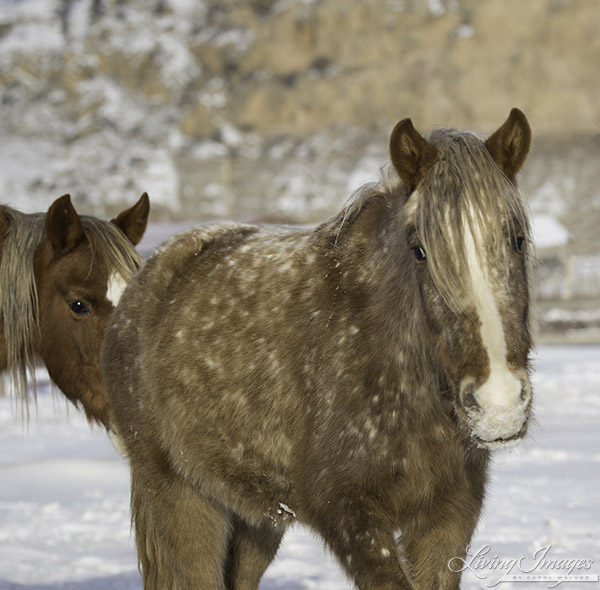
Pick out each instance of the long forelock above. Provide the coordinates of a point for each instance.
(110, 247)
(464, 186)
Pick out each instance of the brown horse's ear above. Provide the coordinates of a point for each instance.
(411, 154)
(132, 222)
(509, 145)
(63, 227)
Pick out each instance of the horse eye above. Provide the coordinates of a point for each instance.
(80, 308)
(519, 244)
(420, 254)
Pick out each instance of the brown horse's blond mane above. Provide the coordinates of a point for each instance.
(19, 298)
(18, 292)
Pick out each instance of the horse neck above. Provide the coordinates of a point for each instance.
(375, 256)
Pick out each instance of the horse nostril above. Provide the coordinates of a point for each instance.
(471, 402)
(468, 397)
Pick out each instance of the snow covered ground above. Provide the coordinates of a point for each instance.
(64, 513)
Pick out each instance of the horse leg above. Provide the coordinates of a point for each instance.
(252, 549)
(181, 536)
(434, 539)
(362, 538)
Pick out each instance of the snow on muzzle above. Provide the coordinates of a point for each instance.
(497, 412)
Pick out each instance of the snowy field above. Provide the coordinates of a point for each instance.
(64, 514)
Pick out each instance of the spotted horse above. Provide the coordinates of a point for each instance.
(353, 377)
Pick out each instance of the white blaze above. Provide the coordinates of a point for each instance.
(115, 287)
(503, 387)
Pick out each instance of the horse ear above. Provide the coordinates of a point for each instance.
(132, 222)
(509, 145)
(411, 154)
(63, 226)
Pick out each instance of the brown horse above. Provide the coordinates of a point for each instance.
(351, 377)
(60, 277)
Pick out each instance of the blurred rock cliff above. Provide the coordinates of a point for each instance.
(279, 109)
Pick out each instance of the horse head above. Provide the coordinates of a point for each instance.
(81, 267)
(467, 226)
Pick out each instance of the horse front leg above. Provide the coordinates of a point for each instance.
(362, 536)
(182, 537)
(252, 549)
(435, 537)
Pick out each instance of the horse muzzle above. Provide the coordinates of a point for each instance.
(497, 413)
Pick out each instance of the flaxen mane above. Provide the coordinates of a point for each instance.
(19, 302)
(19, 298)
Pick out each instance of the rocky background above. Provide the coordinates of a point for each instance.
(279, 109)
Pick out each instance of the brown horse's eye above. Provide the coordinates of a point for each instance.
(80, 308)
(420, 254)
(519, 244)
